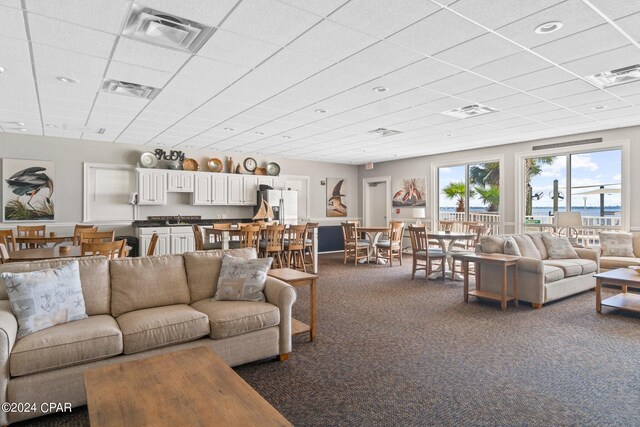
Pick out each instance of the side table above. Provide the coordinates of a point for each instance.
(298, 278)
(503, 261)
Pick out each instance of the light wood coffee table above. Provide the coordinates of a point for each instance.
(623, 277)
(193, 387)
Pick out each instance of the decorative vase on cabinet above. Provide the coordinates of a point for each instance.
(230, 164)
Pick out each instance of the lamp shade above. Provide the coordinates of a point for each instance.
(568, 219)
(419, 213)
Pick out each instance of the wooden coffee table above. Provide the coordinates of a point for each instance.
(299, 278)
(623, 277)
(191, 387)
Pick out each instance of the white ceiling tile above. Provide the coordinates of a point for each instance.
(14, 51)
(68, 36)
(422, 72)
(547, 77)
(235, 48)
(203, 68)
(104, 15)
(12, 23)
(584, 98)
(178, 97)
(620, 112)
(500, 12)
(383, 58)
(539, 107)
(57, 62)
(221, 105)
(574, 14)
(478, 51)
(148, 55)
(15, 4)
(551, 115)
(560, 90)
(609, 60)
(201, 11)
(270, 21)
(62, 133)
(625, 89)
(333, 80)
(486, 93)
(618, 8)
(331, 40)
(320, 7)
(433, 34)
(458, 83)
(512, 66)
(570, 121)
(630, 25)
(283, 102)
(137, 74)
(67, 103)
(509, 123)
(513, 101)
(203, 89)
(585, 43)
(380, 17)
(415, 97)
(53, 90)
(591, 107)
(444, 104)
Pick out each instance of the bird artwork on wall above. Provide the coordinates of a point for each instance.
(28, 190)
(411, 192)
(336, 200)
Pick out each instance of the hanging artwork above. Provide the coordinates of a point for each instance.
(27, 190)
(336, 197)
(410, 192)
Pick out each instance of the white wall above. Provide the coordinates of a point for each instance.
(421, 166)
(69, 156)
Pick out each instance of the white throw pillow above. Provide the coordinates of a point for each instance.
(616, 244)
(242, 279)
(511, 247)
(45, 298)
(559, 248)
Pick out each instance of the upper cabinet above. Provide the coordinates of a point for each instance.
(180, 182)
(210, 189)
(152, 188)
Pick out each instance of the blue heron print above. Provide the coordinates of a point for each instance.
(34, 190)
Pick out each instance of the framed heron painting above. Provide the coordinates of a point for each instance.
(27, 190)
(336, 197)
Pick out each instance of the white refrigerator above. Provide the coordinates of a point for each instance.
(284, 204)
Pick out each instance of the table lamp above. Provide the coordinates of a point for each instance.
(569, 221)
(418, 214)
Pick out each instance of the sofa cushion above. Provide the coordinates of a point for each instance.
(94, 338)
(45, 298)
(492, 244)
(616, 244)
(611, 262)
(203, 270)
(526, 246)
(552, 273)
(586, 265)
(230, 318)
(511, 247)
(94, 278)
(161, 326)
(536, 238)
(569, 266)
(139, 283)
(559, 248)
(242, 279)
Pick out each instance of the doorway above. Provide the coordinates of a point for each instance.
(377, 201)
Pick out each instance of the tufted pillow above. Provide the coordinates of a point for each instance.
(511, 247)
(242, 279)
(559, 248)
(616, 244)
(45, 298)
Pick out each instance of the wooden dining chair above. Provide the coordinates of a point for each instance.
(151, 250)
(249, 237)
(294, 245)
(31, 231)
(310, 243)
(82, 228)
(4, 254)
(97, 236)
(354, 246)
(388, 249)
(111, 250)
(197, 237)
(9, 240)
(479, 230)
(446, 225)
(423, 256)
(273, 243)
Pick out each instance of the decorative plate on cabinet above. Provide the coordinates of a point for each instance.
(273, 169)
(250, 164)
(148, 160)
(261, 171)
(215, 165)
(189, 165)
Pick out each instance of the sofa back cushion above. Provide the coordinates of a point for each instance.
(616, 244)
(559, 248)
(94, 279)
(526, 246)
(203, 270)
(492, 244)
(511, 247)
(147, 282)
(537, 240)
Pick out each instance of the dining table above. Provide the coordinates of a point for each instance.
(53, 252)
(373, 235)
(31, 241)
(446, 239)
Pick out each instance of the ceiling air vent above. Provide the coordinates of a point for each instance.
(470, 111)
(164, 29)
(130, 89)
(385, 132)
(616, 77)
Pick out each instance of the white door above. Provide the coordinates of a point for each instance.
(376, 204)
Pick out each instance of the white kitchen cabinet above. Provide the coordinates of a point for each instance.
(163, 246)
(209, 189)
(182, 240)
(235, 190)
(265, 180)
(250, 190)
(152, 188)
(180, 182)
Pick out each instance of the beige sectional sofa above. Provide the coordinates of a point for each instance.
(611, 262)
(540, 279)
(137, 307)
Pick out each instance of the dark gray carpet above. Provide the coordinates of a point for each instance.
(392, 351)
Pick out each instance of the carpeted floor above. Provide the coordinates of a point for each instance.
(392, 351)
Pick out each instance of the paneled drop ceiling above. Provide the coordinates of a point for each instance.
(310, 79)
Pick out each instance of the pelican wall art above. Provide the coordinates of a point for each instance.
(410, 192)
(27, 192)
(336, 197)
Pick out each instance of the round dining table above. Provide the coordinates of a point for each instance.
(50, 253)
(33, 241)
(446, 239)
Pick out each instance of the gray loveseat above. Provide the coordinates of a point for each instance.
(137, 307)
(540, 278)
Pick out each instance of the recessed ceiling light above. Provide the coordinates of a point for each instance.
(599, 107)
(286, 136)
(53, 125)
(2, 70)
(548, 27)
(22, 130)
(229, 129)
(380, 89)
(64, 79)
(20, 124)
(448, 134)
(321, 111)
(259, 133)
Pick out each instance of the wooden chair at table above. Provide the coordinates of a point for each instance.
(479, 230)
(216, 232)
(273, 243)
(9, 240)
(111, 250)
(422, 253)
(4, 254)
(446, 225)
(151, 250)
(31, 231)
(98, 236)
(82, 228)
(249, 237)
(353, 245)
(310, 243)
(468, 227)
(388, 249)
(294, 246)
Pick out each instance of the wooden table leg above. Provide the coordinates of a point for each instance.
(478, 275)
(515, 283)
(624, 289)
(503, 299)
(465, 272)
(598, 295)
(312, 310)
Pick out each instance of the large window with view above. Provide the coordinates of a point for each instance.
(586, 182)
(470, 193)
